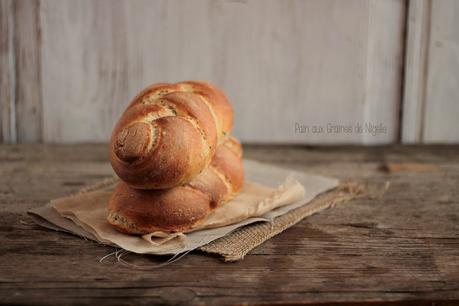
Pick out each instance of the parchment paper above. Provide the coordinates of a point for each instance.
(268, 193)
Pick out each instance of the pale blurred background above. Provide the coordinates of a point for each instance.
(296, 71)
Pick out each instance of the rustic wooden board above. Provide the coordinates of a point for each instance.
(28, 95)
(415, 74)
(442, 92)
(401, 245)
(7, 72)
(20, 63)
(431, 94)
(78, 63)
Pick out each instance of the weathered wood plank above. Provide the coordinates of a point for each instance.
(299, 58)
(90, 39)
(384, 63)
(7, 72)
(432, 70)
(442, 92)
(415, 76)
(394, 246)
(20, 88)
(28, 108)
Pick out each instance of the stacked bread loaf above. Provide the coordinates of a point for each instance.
(176, 159)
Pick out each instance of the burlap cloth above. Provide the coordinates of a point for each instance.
(279, 199)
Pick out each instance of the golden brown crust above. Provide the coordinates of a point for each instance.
(169, 134)
(190, 105)
(133, 141)
(211, 184)
(177, 209)
(226, 162)
(144, 211)
(217, 99)
(175, 158)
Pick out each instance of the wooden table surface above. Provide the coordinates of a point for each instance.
(397, 245)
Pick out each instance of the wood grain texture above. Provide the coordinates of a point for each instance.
(85, 64)
(281, 63)
(415, 77)
(384, 63)
(7, 72)
(442, 90)
(398, 247)
(28, 108)
(431, 97)
(20, 92)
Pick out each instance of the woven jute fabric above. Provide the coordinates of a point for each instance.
(236, 245)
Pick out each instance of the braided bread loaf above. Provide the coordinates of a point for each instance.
(169, 134)
(136, 211)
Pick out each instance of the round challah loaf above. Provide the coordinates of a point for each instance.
(136, 211)
(169, 133)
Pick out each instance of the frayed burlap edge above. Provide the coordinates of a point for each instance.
(236, 245)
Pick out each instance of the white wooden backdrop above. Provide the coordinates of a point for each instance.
(431, 100)
(68, 68)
